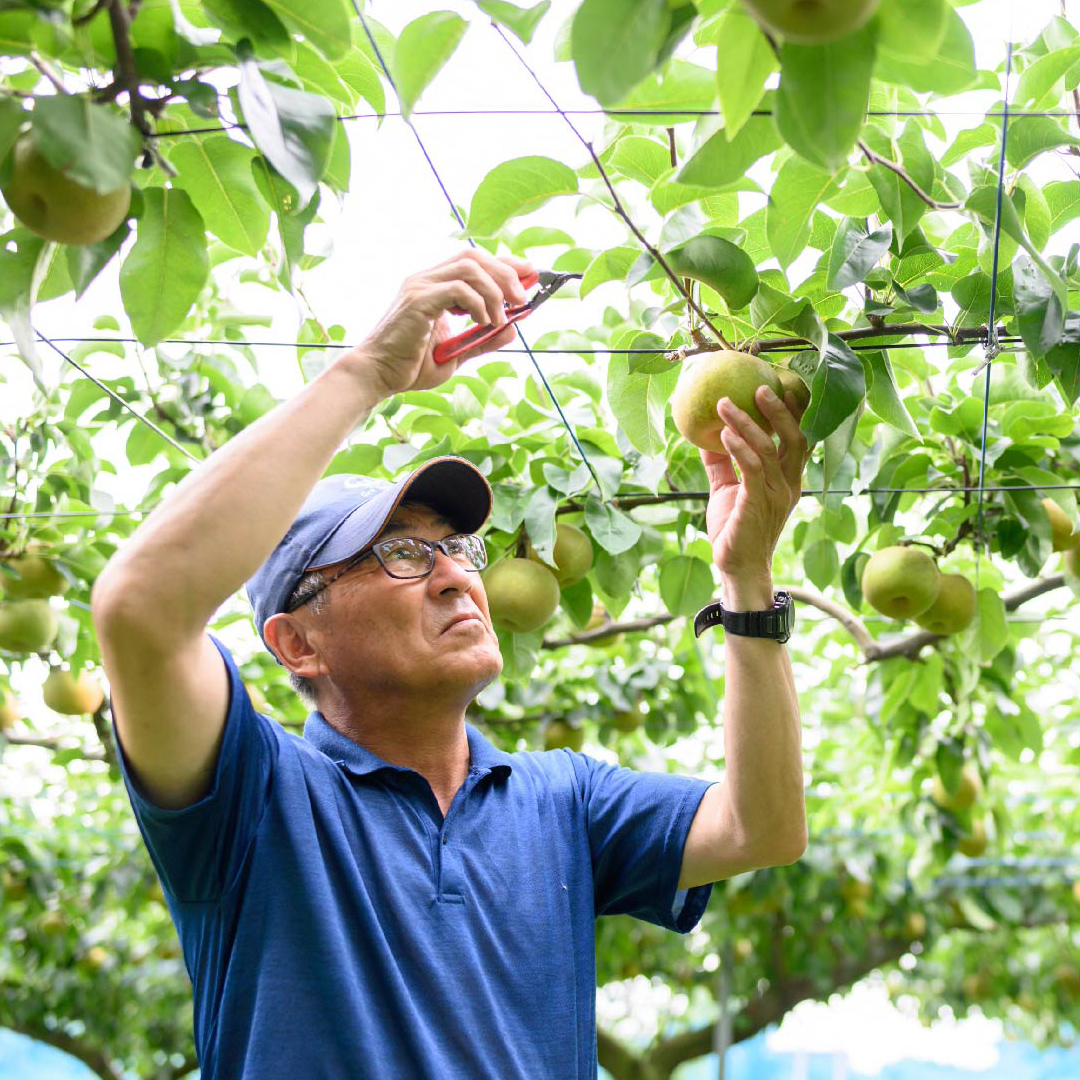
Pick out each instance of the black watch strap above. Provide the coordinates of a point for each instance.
(776, 623)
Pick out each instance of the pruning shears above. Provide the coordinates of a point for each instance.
(550, 281)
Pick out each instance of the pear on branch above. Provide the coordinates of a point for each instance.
(708, 377)
(954, 608)
(572, 555)
(38, 579)
(1061, 528)
(900, 581)
(522, 594)
(27, 626)
(73, 695)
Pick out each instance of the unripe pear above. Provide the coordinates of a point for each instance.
(810, 21)
(954, 608)
(1061, 528)
(974, 843)
(560, 733)
(915, 925)
(792, 381)
(522, 594)
(71, 695)
(900, 581)
(708, 377)
(572, 554)
(968, 789)
(1072, 561)
(38, 579)
(27, 626)
(53, 205)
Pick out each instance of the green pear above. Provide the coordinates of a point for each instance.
(1072, 561)
(1061, 528)
(810, 21)
(27, 626)
(708, 377)
(901, 581)
(560, 733)
(572, 555)
(969, 789)
(954, 608)
(794, 382)
(522, 595)
(38, 579)
(973, 844)
(64, 692)
(53, 205)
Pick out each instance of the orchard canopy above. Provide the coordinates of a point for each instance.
(874, 210)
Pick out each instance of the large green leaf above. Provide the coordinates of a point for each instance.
(824, 91)
(1039, 314)
(1063, 199)
(718, 263)
(950, 70)
(216, 173)
(167, 267)
(12, 115)
(882, 395)
(901, 204)
(516, 187)
(686, 584)
(912, 29)
(1063, 359)
(639, 402)
(613, 530)
(837, 387)
(20, 256)
(422, 48)
(86, 261)
(855, 252)
(744, 60)
(293, 128)
(615, 44)
(640, 158)
(1040, 78)
(720, 162)
(799, 187)
(327, 24)
(92, 144)
(522, 21)
(679, 85)
(1030, 136)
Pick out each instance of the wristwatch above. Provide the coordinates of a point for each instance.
(776, 623)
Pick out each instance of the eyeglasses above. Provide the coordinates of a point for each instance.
(414, 557)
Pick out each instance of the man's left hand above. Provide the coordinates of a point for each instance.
(744, 520)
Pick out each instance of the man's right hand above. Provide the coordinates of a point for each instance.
(398, 353)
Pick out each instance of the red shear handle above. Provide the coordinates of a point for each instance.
(478, 335)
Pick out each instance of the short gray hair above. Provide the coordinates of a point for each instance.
(310, 585)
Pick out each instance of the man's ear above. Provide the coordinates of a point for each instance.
(289, 639)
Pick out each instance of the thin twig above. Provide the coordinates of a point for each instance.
(127, 73)
(82, 20)
(900, 171)
(47, 71)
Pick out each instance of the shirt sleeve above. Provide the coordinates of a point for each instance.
(637, 824)
(198, 850)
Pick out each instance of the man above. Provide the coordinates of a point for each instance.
(391, 895)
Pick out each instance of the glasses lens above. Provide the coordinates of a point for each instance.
(406, 557)
(467, 550)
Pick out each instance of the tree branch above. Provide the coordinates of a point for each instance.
(127, 74)
(47, 71)
(899, 170)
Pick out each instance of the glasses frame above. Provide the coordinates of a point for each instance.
(376, 549)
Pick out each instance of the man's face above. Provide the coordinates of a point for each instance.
(406, 634)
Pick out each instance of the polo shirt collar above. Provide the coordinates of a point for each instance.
(483, 754)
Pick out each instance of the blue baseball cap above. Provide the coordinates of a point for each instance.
(345, 512)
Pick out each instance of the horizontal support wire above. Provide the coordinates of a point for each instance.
(644, 111)
(645, 500)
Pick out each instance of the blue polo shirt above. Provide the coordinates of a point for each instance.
(335, 926)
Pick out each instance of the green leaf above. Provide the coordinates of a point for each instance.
(1064, 360)
(540, 520)
(993, 629)
(20, 255)
(613, 530)
(293, 128)
(216, 173)
(720, 162)
(883, 396)
(12, 115)
(610, 265)
(1041, 78)
(837, 387)
(823, 96)
(327, 24)
(641, 158)
(639, 402)
(950, 70)
(898, 199)
(922, 297)
(516, 187)
(744, 60)
(91, 144)
(250, 18)
(86, 261)
(616, 43)
(422, 48)
(855, 252)
(821, 563)
(521, 21)
(686, 584)
(1038, 312)
(912, 29)
(1030, 136)
(679, 85)
(799, 187)
(167, 267)
(718, 263)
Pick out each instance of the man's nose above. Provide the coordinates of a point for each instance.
(450, 574)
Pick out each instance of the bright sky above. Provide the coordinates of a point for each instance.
(395, 221)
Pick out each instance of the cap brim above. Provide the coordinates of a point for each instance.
(453, 487)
